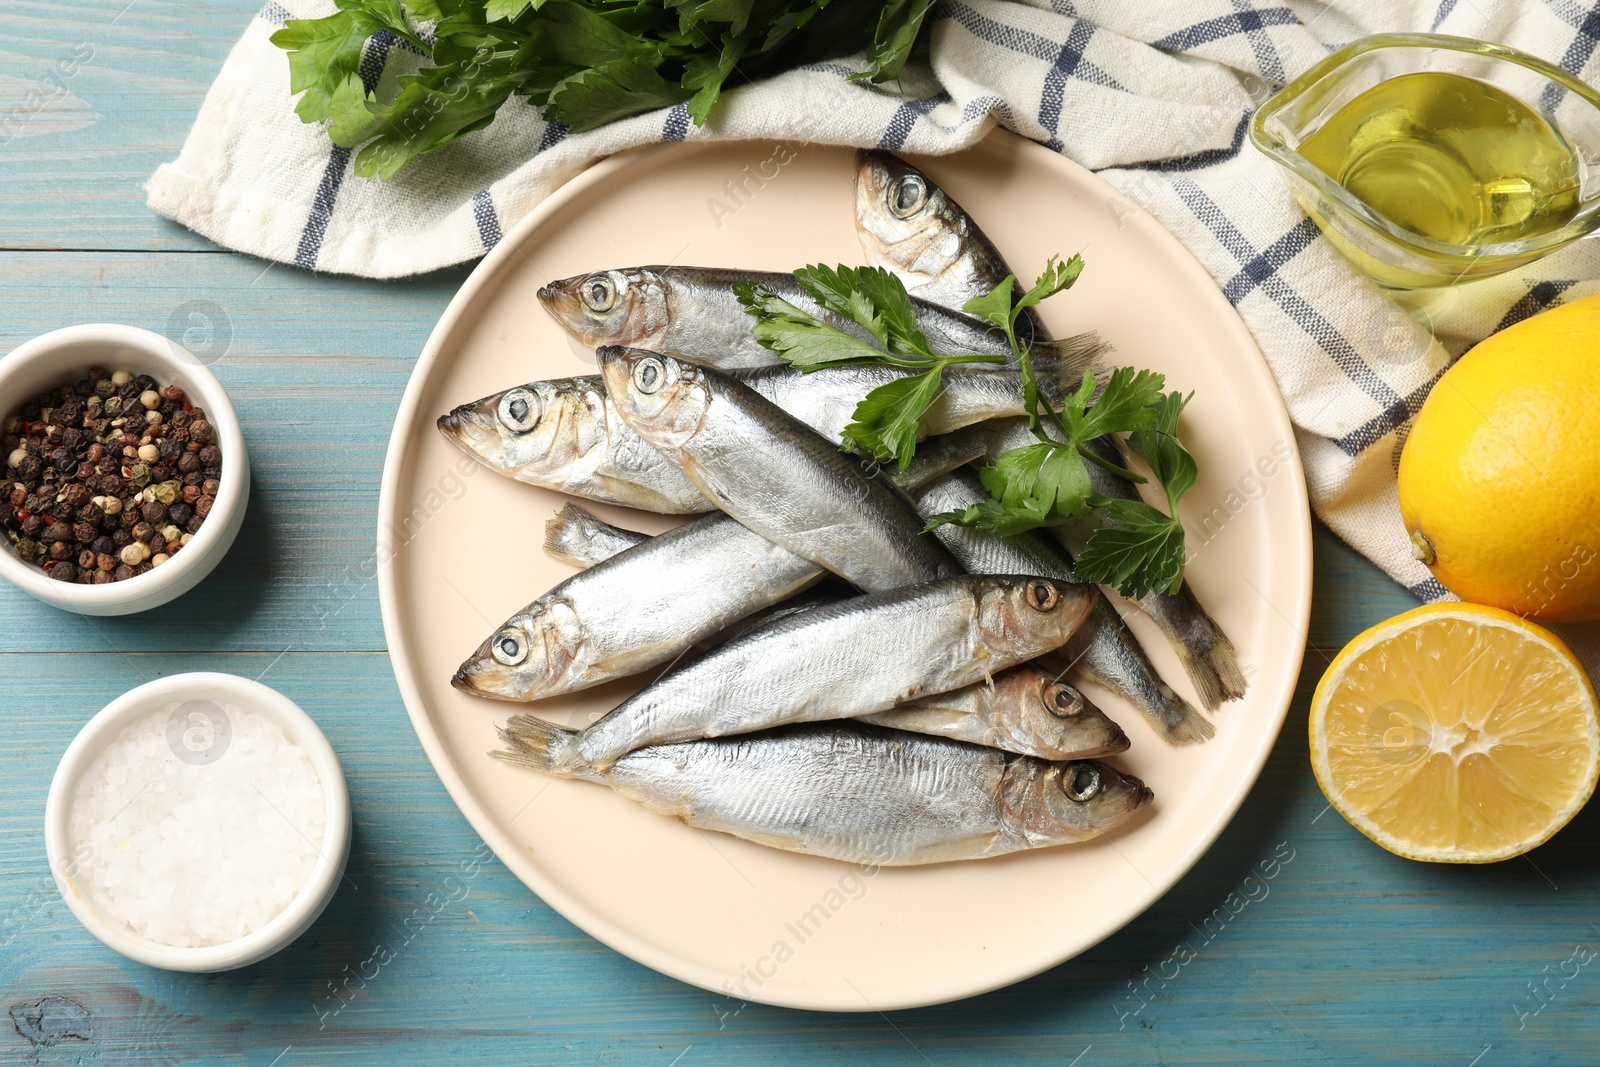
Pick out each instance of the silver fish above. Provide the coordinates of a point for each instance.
(692, 313)
(908, 225)
(1025, 709)
(773, 473)
(565, 435)
(855, 657)
(1208, 657)
(1104, 651)
(638, 609)
(855, 793)
(648, 599)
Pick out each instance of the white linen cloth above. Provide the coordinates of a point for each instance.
(1155, 96)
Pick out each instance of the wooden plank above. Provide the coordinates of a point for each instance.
(315, 367)
(94, 96)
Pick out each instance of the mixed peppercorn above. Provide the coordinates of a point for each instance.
(107, 478)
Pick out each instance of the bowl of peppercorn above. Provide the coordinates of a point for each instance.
(125, 477)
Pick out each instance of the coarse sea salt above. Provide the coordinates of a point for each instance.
(192, 848)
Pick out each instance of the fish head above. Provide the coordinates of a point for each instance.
(664, 400)
(1049, 715)
(1075, 801)
(905, 221)
(541, 425)
(611, 307)
(530, 656)
(1030, 615)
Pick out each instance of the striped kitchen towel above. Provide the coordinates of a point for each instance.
(1154, 96)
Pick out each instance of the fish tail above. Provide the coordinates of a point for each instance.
(1178, 721)
(544, 746)
(1106, 652)
(566, 532)
(1203, 649)
(1211, 661)
(1060, 366)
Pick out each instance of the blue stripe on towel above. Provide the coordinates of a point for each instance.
(1387, 421)
(1068, 61)
(1586, 20)
(316, 228)
(1247, 21)
(483, 214)
(676, 127)
(1541, 296)
(1269, 261)
(554, 134)
(1429, 590)
(1319, 329)
(1210, 157)
(905, 117)
(1022, 42)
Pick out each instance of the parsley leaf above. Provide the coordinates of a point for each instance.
(1123, 406)
(806, 342)
(323, 54)
(888, 420)
(1158, 444)
(1141, 553)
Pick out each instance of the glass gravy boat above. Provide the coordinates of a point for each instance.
(1391, 254)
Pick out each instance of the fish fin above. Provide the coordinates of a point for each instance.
(544, 746)
(1180, 723)
(566, 533)
(1060, 366)
(1211, 662)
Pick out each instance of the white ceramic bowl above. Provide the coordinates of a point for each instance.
(99, 731)
(63, 356)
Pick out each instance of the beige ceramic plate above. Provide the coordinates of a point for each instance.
(459, 552)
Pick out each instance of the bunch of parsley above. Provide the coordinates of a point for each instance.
(585, 63)
(1135, 546)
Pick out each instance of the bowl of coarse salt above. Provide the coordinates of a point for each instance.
(198, 823)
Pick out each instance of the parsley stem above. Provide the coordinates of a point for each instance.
(1106, 464)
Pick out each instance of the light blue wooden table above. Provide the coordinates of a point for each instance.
(1345, 955)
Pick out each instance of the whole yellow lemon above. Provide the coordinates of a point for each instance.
(1500, 478)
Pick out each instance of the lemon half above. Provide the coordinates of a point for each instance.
(1456, 733)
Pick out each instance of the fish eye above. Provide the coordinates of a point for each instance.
(907, 196)
(516, 411)
(508, 648)
(1061, 700)
(1042, 595)
(599, 292)
(648, 374)
(1081, 782)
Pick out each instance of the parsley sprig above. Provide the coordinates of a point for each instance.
(584, 63)
(1134, 546)
(887, 421)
